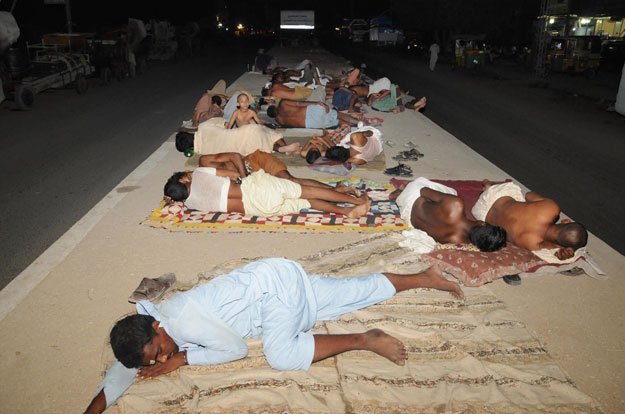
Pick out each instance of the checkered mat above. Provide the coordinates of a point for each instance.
(383, 216)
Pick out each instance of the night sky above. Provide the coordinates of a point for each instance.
(501, 19)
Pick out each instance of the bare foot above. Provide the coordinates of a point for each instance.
(421, 103)
(383, 344)
(291, 148)
(393, 196)
(486, 183)
(362, 209)
(433, 278)
(345, 189)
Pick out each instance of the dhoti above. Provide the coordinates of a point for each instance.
(493, 193)
(265, 195)
(416, 239)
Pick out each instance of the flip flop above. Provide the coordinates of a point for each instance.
(512, 280)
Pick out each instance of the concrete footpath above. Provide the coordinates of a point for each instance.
(56, 316)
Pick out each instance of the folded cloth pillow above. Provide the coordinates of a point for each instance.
(474, 268)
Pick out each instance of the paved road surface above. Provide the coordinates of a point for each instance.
(62, 157)
(564, 147)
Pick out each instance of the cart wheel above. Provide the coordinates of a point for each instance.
(106, 75)
(24, 97)
(132, 70)
(81, 84)
(590, 73)
(119, 75)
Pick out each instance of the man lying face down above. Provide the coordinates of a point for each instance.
(258, 194)
(438, 211)
(207, 324)
(314, 115)
(530, 221)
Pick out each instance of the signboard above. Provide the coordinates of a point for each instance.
(297, 19)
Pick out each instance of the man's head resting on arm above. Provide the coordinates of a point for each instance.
(175, 189)
(572, 235)
(137, 340)
(488, 238)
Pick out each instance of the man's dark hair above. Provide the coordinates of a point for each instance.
(278, 77)
(174, 189)
(337, 154)
(264, 92)
(272, 111)
(312, 155)
(128, 338)
(488, 238)
(184, 141)
(572, 235)
(216, 99)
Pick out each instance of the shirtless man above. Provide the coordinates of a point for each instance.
(437, 210)
(258, 194)
(297, 93)
(315, 115)
(530, 221)
(259, 160)
(209, 106)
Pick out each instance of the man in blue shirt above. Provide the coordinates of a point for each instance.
(271, 299)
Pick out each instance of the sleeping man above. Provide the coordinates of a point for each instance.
(530, 221)
(314, 115)
(212, 138)
(271, 299)
(258, 194)
(259, 160)
(438, 211)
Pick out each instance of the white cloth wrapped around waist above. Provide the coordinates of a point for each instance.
(265, 195)
(493, 193)
(412, 191)
(417, 240)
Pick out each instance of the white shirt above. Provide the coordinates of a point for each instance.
(208, 192)
(381, 84)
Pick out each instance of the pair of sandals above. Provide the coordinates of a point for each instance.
(401, 170)
(408, 155)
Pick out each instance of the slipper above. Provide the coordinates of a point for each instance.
(512, 280)
(153, 289)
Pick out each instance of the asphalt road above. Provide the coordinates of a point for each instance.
(62, 157)
(565, 147)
